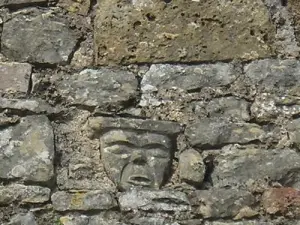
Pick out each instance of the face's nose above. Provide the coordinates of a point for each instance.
(138, 158)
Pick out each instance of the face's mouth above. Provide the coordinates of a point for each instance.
(139, 180)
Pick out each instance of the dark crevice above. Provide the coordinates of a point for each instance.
(209, 164)
(76, 47)
(41, 66)
(14, 8)
(284, 3)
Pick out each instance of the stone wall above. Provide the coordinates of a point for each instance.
(149, 112)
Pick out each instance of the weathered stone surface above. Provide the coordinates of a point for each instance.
(176, 31)
(148, 221)
(239, 223)
(99, 125)
(269, 106)
(29, 105)
(82, 201)
(7, 121)
(23, 219)
(191, 167)
(19, 3)
(105, 88)
(147, 200)
(214, 133)
(38, 36)
(294, 7)
(294, 132)
(235, 167)
(27, 150)
(285, 42)
(80, 7)
(84, 56)
(218, 203)
(88, 220)
(229, 107)
(24, 194)
(14, 76)
(188, 78)
(280, 77)
(285, 201)
(278, 85)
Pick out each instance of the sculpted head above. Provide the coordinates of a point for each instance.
(136, 153)
(133, 158)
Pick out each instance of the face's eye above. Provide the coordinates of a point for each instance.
(117, 150)
(157, 153)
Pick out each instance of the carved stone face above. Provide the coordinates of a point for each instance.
(134, 158)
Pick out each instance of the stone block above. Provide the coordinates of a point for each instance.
(191, 167)
(161, 77)
(23, 219)
(38, 36)
(284, 201)
(181, 31)
(104, 88)
(14, 76)
(221, 203)
(24, 194)
(82, 201)
(238, 167)
(216, 133)
(149, 200)
(27, 150)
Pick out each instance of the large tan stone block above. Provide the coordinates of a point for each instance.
(181, 31)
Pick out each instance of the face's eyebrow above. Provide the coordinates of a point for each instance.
(119, 142)
(156, 145)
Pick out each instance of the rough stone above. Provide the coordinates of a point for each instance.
(148, 221)
(294, 7)
(188, 78)
(267, 107)
(29, 105)
(280, 77)
(221, 203)
(14, 76)
(237, 167)
(294, 132)
(98, 125)
(214, 133)
(229, 107)
(191, 167)
(38, 36)
(105, 88)
(23, 194)
(147, 200)
(83, 201)
(285, 42)
(84, 56)
(8, 120)
(176, 31)
(88, 220)
(80, 7)
(23, 219)
(285, 201)
(27, 150)
(19, 3)
(239, 223)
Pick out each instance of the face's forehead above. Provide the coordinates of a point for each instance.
(136, 137)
